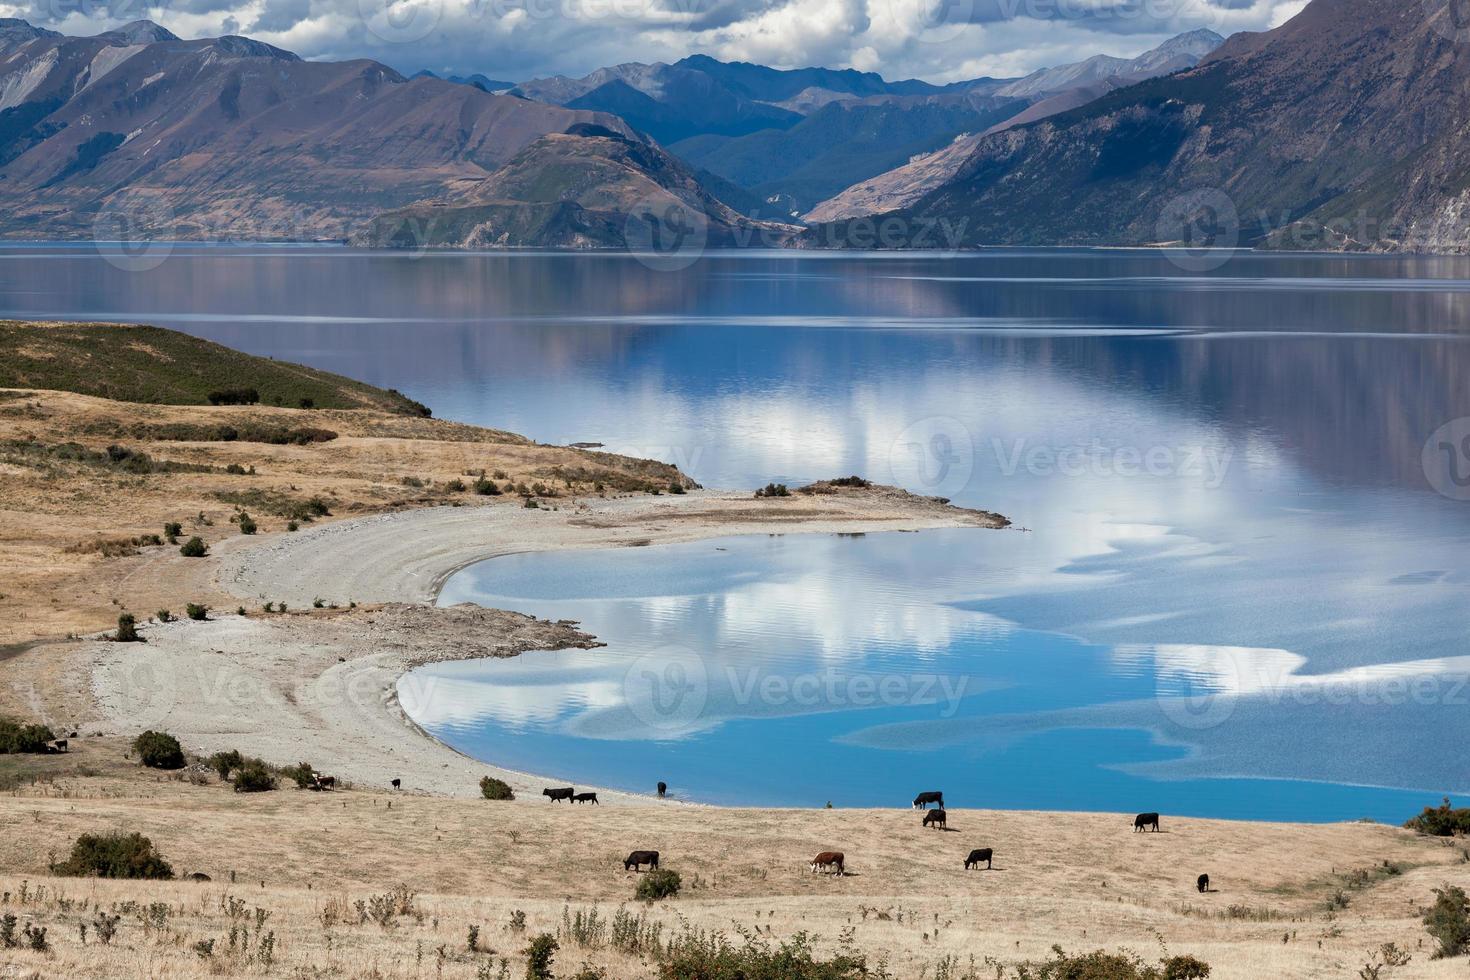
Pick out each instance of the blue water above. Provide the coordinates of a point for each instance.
(1241, 587)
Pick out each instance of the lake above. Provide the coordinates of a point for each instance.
(1237, 586)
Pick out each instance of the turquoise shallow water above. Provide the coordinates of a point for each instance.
(1224, 476)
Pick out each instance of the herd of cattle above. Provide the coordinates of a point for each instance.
(835, 862)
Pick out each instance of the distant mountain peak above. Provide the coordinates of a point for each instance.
(141, 32)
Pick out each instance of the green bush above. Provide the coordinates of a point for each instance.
(703, 956)
(164, 616)
(16, 738)
(676, 488)
(234, 396)
(455, 485)
(485, 488)
(159, 750)
(127, 629)
(538, 957)
(658, 883)
(302, 774)
(850, 481)
(1102, 965)
(1441, 821)
(225, 763)
(1448, 921)
(254, 776)
(172, 530)
(494, 789)
(194, 548)
(196, 612)
(113, 856)
(247, 524)
(773, 490)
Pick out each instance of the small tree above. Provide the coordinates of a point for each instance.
(302, 774)
(159, 750)
(127, 629)
(172, 530)
(1448, 921)
(247, 524)
(485, 488)
(197, 612)
(254, 776)
(658, 883)
(495, 789)
(538, 957)
(225, 763)
(194, 548)
(113, 856)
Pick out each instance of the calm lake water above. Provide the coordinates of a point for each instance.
(1240, 589)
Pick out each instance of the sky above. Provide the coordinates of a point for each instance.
(513, 40)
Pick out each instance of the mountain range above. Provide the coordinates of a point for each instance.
(1341, 129)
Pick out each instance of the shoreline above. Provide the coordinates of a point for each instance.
(324, 686)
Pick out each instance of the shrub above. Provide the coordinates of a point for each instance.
(773, 490)
(531, 504)
(676, 488)
(17, 738)
(292, 526)
(127, 629)
(1102, 965)
(159, 750)
(538, 957)
(225, 763)
(1448, 921)
(194, 548)
(196, 612)
(254, 776)
(1441, 821)
(850, 481)
(485, 488)
(234, 396)
(113, 856)
(164, 616)
(172, 530)
(247, 524)
(302, 774)
(495, 789)
(455, 485)
(658, 883)
(711, 957)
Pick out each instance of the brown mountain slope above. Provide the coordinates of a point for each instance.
(231, 137)
(590, 188)
(1348, 116)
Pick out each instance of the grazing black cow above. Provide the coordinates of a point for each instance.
(976, 856)
(585, 798)
(830, 861)
(397, 784)
(559, 794)
(1146, 820)
(922, 801)
(61, 745)
(198, 876)
(663, 788)
(936, 818)
(1202, 883)
(633, 861)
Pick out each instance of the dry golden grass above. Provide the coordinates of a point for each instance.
(54, 513)
(1082, 880)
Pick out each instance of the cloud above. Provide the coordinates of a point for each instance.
(941, 40)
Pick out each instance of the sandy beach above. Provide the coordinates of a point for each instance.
(320, 685)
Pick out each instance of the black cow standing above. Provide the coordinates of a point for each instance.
(663, 788)
(585, 798)
(397, 784)
(1203, 883)
(1146, 820)
(976, 856)
(637, 858)
(923, 800)
(936, 819)
(559, 794)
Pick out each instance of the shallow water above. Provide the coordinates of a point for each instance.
(1240, 592)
